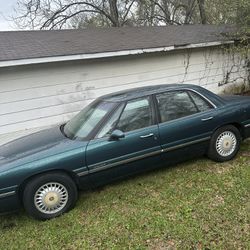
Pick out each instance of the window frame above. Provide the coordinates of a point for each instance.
(202, 98)
(105, 121)
(187, 90)
(124, 103)
(151, 107)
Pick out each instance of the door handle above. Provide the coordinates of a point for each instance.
(146, 136)
(207, 119)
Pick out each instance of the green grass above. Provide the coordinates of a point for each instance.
(195, 205)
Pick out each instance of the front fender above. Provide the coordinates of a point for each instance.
(67, 161)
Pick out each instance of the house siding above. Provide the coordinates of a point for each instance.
(42, 95)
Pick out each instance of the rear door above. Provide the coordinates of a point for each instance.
(186, 123)
(137, 151)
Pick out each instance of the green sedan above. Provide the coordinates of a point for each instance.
(116, 136)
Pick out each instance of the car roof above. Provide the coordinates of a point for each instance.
(133, 93)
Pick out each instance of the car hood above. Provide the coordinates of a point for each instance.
(37, 146)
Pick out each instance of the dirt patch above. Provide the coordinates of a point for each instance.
(245, 154)
(218, 200)
(158, 244)
(221, 168)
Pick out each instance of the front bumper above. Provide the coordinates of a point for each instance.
(9, 201)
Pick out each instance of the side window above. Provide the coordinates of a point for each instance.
(109, 126)
(175, 104)
(137, 114)
(201, 104)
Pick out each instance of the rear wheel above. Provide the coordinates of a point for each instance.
(224, 144)
(49, 195)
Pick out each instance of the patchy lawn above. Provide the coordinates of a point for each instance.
(194, 205)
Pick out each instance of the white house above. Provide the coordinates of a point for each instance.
(48, 76)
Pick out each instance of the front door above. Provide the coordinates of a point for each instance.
(138, 151)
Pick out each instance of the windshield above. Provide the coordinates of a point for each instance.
(81, 125)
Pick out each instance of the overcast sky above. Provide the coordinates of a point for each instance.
(6, 9)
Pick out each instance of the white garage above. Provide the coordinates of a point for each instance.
(48, 76)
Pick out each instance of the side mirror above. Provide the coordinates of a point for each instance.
(116, 135)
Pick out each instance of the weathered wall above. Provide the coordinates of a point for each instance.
(42, 95)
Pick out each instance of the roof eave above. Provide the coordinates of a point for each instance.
(51, 59)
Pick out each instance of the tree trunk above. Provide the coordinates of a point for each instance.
(201, 4)
(166, 11)
(189, 11)
(114, 13)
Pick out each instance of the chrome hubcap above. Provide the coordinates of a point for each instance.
(51, 198)
(226, 143)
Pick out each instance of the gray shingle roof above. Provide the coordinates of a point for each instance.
(16, 45)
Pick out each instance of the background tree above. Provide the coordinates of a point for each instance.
(232, 12)
(57, 14)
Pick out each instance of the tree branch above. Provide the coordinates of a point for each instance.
(96, 9)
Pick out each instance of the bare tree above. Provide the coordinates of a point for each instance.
(175, 11)
(190, 11)
(56, 14)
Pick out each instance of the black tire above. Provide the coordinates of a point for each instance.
(64, 193)
(215, 152)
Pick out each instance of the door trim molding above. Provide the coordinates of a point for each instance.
(105, 165)
(7, 194)
(186, 144)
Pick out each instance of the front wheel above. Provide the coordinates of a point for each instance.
(49, 195)
(224, 144)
